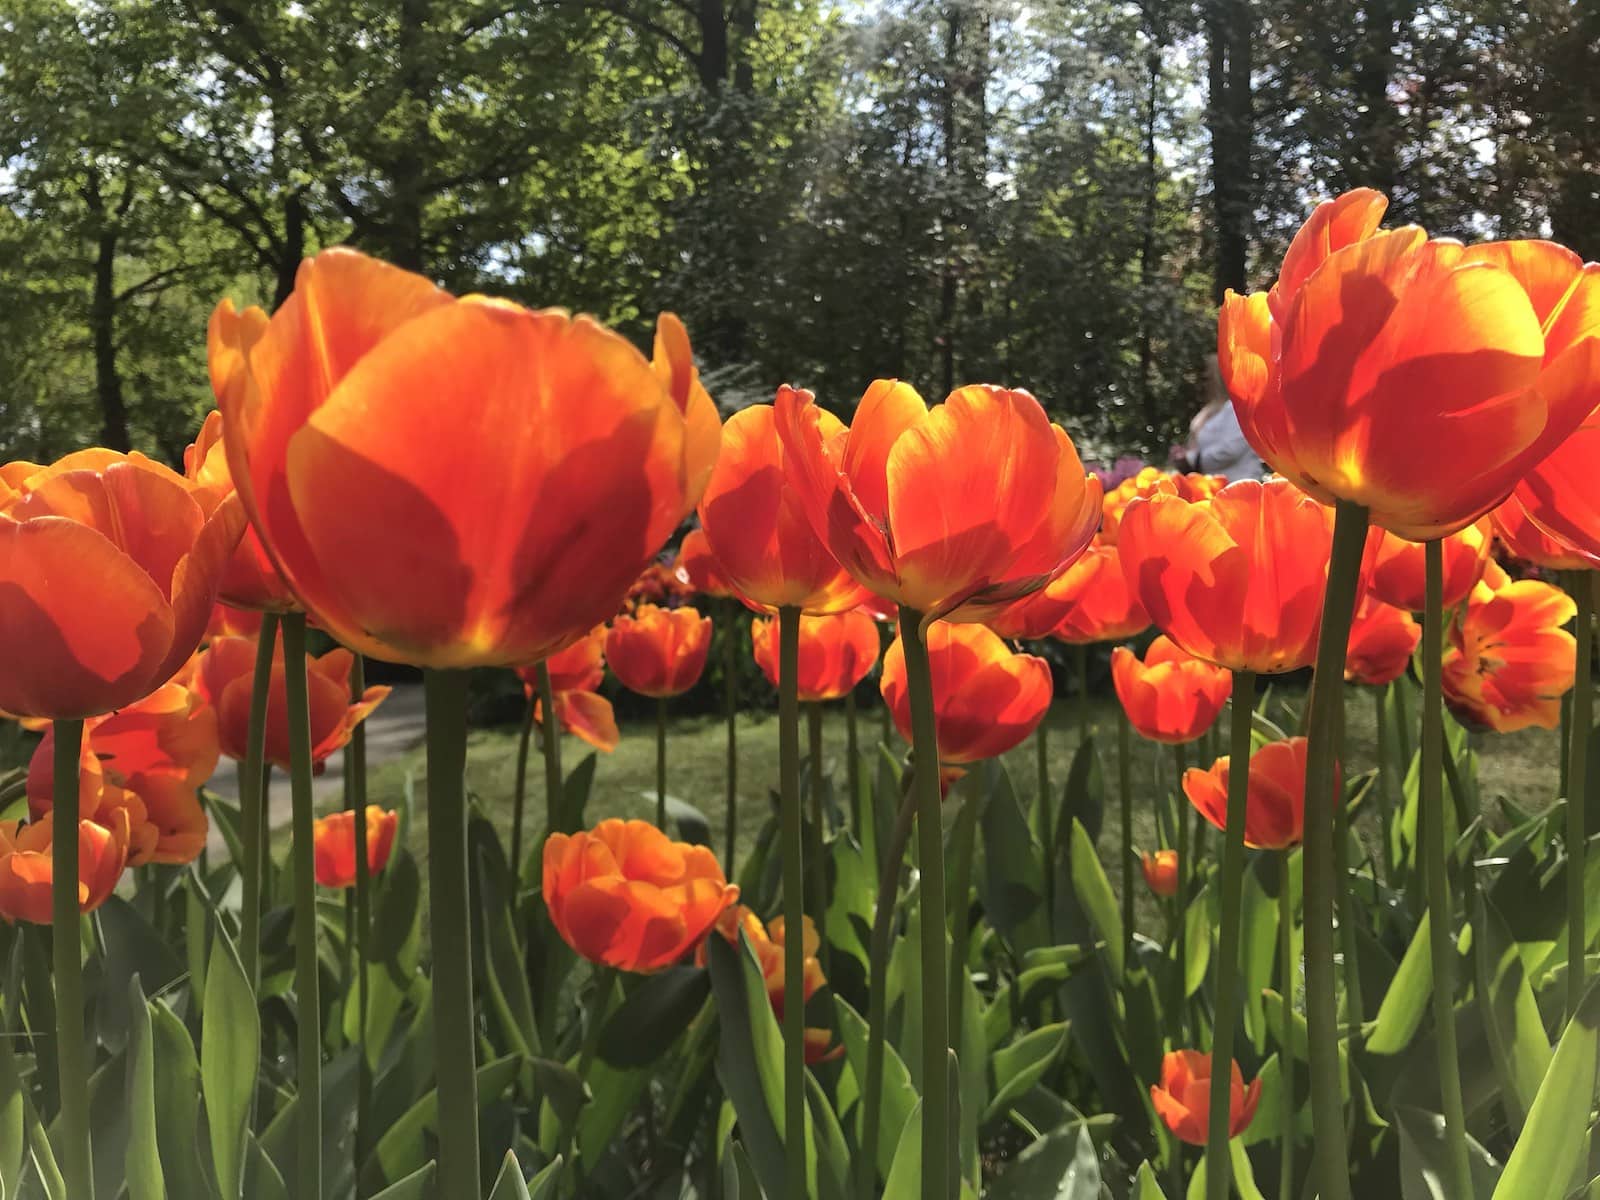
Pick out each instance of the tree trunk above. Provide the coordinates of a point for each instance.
(408, 172)
(1230, 30)
(713, 62)
(1147, 242)
(103, 318)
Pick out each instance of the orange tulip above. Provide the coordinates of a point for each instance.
(767, 942)
(1104, 607)
(1161, 872)
(26, 865)
(147, 761)
(575, 676)
(624, 895)
(1421, 379)
(225, 676)
(1172, 697)
(696, 567)
(1562, 494)
(1382, 640)
(1150, 481)
(659, 651)
(1509, 661)
(1183, 1097)
(456, 483)
(986, 699)
(1395, 569)
(111, 567)
(836, 652)
(954, 511)
(333, 841)
(1275, 811)
(1527, 541)
(250, 581)
(1236, 580)
(227, 621)
(755, 523)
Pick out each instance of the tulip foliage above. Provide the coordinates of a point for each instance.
(1279, 936)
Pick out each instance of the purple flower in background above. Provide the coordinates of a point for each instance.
(1125, 467)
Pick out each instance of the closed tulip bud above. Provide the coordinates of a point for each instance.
(333, 842)
(659, 651)
(1161, 872)
(1171, 697)
(836, 652)
(1382, 640)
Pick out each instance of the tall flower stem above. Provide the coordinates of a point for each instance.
(937, 1145)
(1047, 818)
(450, 925)
(1441, 940)
(252, 804)
(852, 761)
(1181, 901)
(730, 712)
(1580, 585)
(72, 1047)
(1218, 1165)
(356, 778)
(519, 795)
(307, 984)
(1080, 655)
(1317, 862)
(792, 822)
(555, 819)
(1130, 867)
(661, 762)
(1385, 783)
(1286, 973)
(816, 860)
(878, 994)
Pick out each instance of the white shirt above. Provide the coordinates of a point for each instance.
(1222, 449)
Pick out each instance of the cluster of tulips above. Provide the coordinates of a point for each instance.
(460, 482)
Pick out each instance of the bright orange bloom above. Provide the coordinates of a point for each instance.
(333, 840)
(1104, 607)
(836, 652)
(767, 942)
(1374, 346)
(147, 760)
(1150, 481)
(954, 511)
(1171, 697)
(110, 565)
(696, 567)
(1183, 1097)
(1562, 494)
(1382, 640)
(624, 895)
(251, 581)
(575, 676)
(1395, 570)
(26, 865)
(1509, 661)
(755, 522)
(456, 483)
(1161, 872)
(986, 699)
(1525, 540)
(1275, 810)
(225, 676)
(1236, 580)
(659, 651)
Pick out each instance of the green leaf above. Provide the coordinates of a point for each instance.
(904, 1181)
(1060, 1166)
(1145, 1185)
(1553, 1141)
(1406, 1002)
(133, 947)
(1098, 900)
(546, 1185)
(230, 1048)
(1011, 884)
(144, 1177)
(416, 1186)
(1510, 1013)
(1022, 1064)
(400, 1150)
(899, 1097)
(1424, 1158)
(505, 974)
(654, 1015)
(509, 1184)
(738, 1176)
(1083, 797)
(43, 1157)
(177, 1092)
(261, 1178)
(13, 1128)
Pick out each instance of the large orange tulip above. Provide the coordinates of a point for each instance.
(625, 895)
(836, 652)
(110, 564)
(1562, 494)
(1509, 661)
(1382, 640)
(1236, 580)
(334, 844)
(456, 483)
(696, 567)
(1527, 541)
(1183, 1097)
(1275, 811)
(27, 871)
(1150, 481)
(986, 699)
(1172, 696)
(251, 581)
(1104, 607)
(767, 942)
(225, 675)
(575, 677)
(1395, 569)
(1421, 379)
(755, 522)
(147, 760)
(659, 651)
(954, 511)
